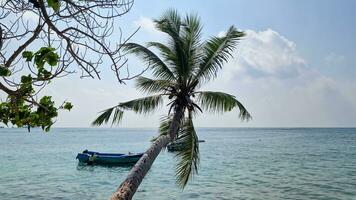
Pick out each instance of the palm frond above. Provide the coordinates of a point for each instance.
(188, 157)
(191, 41)
(159, 68)
(164, 126)
(152, 86)
(192, 30)
(143, 105)
(167, 52)
(118, 114)
(216, 52)
(170, 23)
(104, 117)
(221, 102)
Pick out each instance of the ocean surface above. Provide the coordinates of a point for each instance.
(239, 163)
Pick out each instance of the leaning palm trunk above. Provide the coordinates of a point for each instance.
(133, 180)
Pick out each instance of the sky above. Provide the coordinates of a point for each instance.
(296, 67)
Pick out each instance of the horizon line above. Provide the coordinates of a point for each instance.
(116, 127)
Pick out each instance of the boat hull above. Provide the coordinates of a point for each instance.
(91, 157)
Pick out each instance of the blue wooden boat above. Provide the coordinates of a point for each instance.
(92, 157)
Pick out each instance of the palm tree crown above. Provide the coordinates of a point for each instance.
(184, 65)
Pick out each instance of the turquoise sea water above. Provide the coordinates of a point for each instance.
(244, 163)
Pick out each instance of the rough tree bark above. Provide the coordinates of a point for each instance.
(129, 186)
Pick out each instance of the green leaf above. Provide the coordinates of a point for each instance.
(26, 79)
(26, 87)
(52, 59)
(54, 4)
(41, 57)
(4, 71)
(68, 106)
(47, 128)
(45, 73)
(19, 112)
(28, 55)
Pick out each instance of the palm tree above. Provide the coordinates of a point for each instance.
(184, 65)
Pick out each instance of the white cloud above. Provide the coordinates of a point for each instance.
(269, 53)
(148, 25)
(264, 55)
